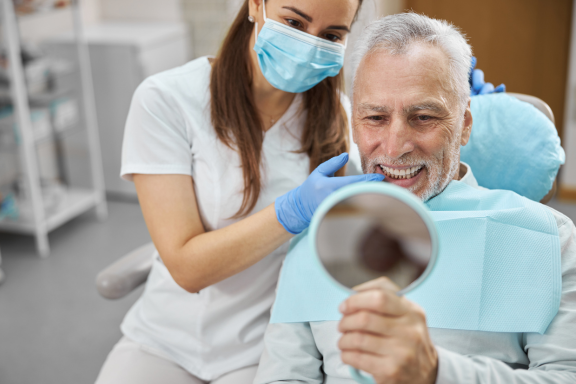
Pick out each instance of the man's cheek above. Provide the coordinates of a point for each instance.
(368, 139)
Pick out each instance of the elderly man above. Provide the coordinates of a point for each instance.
(411, 114)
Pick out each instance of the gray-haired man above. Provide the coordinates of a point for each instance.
(411, 114)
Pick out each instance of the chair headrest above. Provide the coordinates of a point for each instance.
(513, 146)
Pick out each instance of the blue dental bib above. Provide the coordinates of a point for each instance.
(498, 267)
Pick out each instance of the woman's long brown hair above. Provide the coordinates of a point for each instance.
(236, 121)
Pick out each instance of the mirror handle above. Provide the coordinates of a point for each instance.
(361, 378)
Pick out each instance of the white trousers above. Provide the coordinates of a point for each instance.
(131, 363)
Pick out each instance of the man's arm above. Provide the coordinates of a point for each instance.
(454, 368)
(290, 356)
(552, 355)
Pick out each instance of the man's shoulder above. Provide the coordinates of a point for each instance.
(561, 219)
(563, 222)
(565, 226)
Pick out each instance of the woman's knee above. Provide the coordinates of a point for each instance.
(244, 375)
(128, 363)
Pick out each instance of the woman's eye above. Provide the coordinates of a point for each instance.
(332, 37)
(294, 23)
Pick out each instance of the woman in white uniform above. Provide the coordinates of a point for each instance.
(221, 151)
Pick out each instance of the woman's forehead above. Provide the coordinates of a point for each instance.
(325, 12)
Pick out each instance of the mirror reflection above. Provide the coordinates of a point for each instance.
(368, 236)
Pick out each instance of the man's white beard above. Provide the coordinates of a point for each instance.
(438, 177)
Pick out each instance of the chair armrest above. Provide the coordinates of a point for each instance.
(126, 274)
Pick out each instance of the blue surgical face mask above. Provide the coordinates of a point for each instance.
(295, 61)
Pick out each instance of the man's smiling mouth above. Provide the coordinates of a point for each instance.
(404, 173)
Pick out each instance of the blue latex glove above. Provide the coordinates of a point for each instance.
(477, 84)
(295, 208)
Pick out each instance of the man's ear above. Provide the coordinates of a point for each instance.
(466, 125)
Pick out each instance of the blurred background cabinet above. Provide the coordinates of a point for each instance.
(122, 54)
(35, 108)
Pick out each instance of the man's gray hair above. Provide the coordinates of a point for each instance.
(396, 33)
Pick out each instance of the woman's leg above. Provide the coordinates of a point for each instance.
(244, 375)
(128, 363)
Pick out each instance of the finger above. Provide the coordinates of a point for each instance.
(373, 364)
(380, 301)
(364, 321)
(487, 89)
(477, 79)
(329, 167)
(363, 342)
(379, 283)
(339, 182)
(500, 88)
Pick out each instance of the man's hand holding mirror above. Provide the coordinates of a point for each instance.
(381, 244)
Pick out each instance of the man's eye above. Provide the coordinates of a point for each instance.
(376, 118)
(294, 23)
(331, 37)
(424, 118)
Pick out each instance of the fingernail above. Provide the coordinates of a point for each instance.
(342, 307)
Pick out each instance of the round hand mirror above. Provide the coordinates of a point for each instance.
(372, 230)
(366, 231)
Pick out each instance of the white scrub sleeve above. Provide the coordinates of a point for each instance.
(156, 140)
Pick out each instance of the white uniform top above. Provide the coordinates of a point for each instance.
(307, 353)
(169, 131)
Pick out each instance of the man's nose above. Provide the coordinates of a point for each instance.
(399, 141)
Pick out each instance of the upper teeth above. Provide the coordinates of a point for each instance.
(401, 172)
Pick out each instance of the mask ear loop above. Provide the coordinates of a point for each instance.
(265, 19)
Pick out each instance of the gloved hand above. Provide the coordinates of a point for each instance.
(294, 209)
(477, 84)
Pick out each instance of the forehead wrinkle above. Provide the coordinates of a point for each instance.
(374, 107)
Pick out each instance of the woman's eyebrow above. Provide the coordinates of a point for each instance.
(340, 27)
(299, 13)
(309, 19)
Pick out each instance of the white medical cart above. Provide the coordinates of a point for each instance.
(74, 201)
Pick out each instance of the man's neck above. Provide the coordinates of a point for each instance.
(461, 172)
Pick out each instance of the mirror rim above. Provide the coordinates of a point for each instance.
(382, 188)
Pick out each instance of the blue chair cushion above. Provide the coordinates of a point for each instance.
(513, 146)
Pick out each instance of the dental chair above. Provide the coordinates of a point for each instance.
(128, 273)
